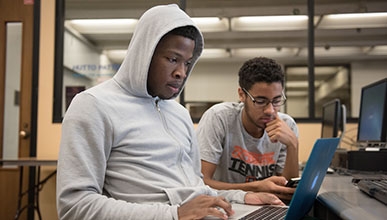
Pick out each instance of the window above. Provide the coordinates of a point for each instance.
(330, 82)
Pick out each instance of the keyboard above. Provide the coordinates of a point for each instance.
(267, 212)
(375, 188)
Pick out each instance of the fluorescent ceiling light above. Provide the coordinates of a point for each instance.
(211, 24)
(269, 23)
(358, 20)
(244, 23)
(267, 52)
(215, 53)
(337, 51)
(116, 56)
(378, 50)
(299, 84)
(296, 93)
(96, 26)
(303, 71)
(297, 71)
(100, 26)
(333, 51)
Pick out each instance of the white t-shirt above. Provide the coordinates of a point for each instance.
(240, 157)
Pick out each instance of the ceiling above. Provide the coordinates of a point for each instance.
(324, 38)
(339, 45)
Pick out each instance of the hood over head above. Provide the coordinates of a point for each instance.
(152, 26)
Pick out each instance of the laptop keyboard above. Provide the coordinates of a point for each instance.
(374, 188)
(267, 212)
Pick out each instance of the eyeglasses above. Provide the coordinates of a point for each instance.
(263, 102)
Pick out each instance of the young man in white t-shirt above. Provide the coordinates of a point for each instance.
(250, 145)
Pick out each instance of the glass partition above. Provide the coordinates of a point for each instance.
(88, 51)
(331, 82)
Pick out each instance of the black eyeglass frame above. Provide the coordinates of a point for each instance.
(267, 101)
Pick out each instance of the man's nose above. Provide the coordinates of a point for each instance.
(180, 71)
(269, 108)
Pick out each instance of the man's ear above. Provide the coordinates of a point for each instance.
(241, 94)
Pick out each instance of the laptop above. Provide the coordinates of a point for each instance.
(306, 191)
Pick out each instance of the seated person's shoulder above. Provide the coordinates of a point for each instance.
(228, 106)
(287, 118)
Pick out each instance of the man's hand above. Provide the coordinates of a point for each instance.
(204, 205)
(262, 199)
(275, 185)
(278, 130)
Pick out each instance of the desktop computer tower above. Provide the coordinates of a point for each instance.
(362, 160)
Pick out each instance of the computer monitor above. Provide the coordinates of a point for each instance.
(372, 126)
(343, 121)
(331, 119)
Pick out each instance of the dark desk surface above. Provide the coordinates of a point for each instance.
(28, 161)
(341, 196)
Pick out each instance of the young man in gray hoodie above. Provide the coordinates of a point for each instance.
(128, 149)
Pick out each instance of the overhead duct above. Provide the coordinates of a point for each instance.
(329, 87)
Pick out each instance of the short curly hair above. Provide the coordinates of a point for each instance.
(260, 69)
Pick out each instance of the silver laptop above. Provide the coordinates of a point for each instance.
(306, 191)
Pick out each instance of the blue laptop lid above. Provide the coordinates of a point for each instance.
(312, 177)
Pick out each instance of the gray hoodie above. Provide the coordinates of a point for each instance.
(125, 154)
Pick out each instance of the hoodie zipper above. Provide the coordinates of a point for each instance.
(157, 100)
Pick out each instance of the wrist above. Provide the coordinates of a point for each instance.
(293, 144)
(253, 186)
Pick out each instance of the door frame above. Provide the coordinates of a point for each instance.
(29, 15)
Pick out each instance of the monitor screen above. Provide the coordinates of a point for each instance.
(372, 116)
(331, 119)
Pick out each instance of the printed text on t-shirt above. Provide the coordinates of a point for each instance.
(252, 164)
